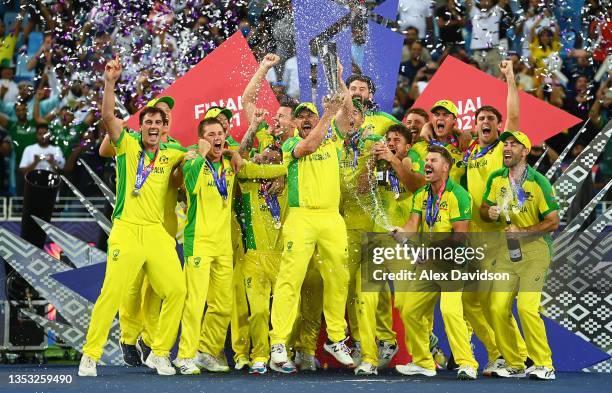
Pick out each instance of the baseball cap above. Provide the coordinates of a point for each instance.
(519, 136)
(167, 99)
(215, 111)
(445, 104)
(306, 105)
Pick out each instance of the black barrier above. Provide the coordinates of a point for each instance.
(39, 196)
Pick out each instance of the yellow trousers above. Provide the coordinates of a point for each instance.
(354, 260)
(308, 324)
(132, 248)
(261, 269)
(209, 282)
(527, 279)
(305, 229)
(241, 343)
(139, 311)
(417, 313)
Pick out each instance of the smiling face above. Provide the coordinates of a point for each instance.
(164, 107)
(359, 90)
(443, 122)
(150, 129)
(414, 122)
(487, 126)
(21, 112)
(224, 121)
(283, 122)
(436, 167)
(215, 135)
(305, 122)
(514, 152)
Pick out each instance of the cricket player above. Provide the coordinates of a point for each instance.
(440, 206)
(520, 195)
(138, 238)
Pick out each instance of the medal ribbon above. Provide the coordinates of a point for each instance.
(143, 173)
(271, 201)
(481, 153)
(517, 188)
(220, 181)
(431, 212)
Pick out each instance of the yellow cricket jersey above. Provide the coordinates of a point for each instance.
(261, 233)
(264, 139)
(171, 222)
(396, 211)
(356, 208)
(478, 171)
(313, 181)
(149, 206)
(456, 172)
(208, 231)
(540, 197)
(455, 205)
(379, 122)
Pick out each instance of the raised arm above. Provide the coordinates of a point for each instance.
(343, 117)
(246, 145)
(114, 125)
(251, 91)
(312, 142)
(512, 100)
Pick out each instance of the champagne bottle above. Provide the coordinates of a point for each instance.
(514, 246)
(381, 171)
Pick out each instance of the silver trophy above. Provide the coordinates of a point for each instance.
(329, 60)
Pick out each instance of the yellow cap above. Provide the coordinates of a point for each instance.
(446, 104)
(167, 99)
(306, 105)
(215, 111)
(519, 136)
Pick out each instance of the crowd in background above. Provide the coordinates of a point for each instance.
(52, 54)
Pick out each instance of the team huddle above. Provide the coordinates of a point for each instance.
(274, 226)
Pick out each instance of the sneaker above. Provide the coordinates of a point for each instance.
(451, 365)
(366, 368)
(305, 362)
(541, 373)
(414, 369)
(509, 372)
(161, 364)
(439, 359)
(241, 363)
(467, 373)
(433, 342)
(341, 352)
(210, 363)
(278, 354)
(186, 366)
(529, 366)
(143, 349)
(356, 353)
(386, 352)
(285, 368)
(494, 366)
(131, 357)
(258, 368)
(87, 367)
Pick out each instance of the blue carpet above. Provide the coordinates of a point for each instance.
(135, 380)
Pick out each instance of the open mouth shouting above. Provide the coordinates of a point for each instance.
(217, 146)
(486, 130)
(428, 171)
(440, 126)
(307, 126)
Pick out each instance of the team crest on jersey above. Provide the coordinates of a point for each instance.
(248, 282)
(289, 245)
(116, 255)
(196, 261)
(163, 159)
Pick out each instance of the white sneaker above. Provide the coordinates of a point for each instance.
(285, 368)
(541, 373)
(305, 362)
(414, 369)
(467, 373)
(87, 367)
(509, 372)
(386, 352)
(258, 368)
(161, 364)
(210, 363)
(341, 352)
(241, 363)
(186, 366)
(278, 354)
(493, 367)
(356, 353)
(366, 368)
